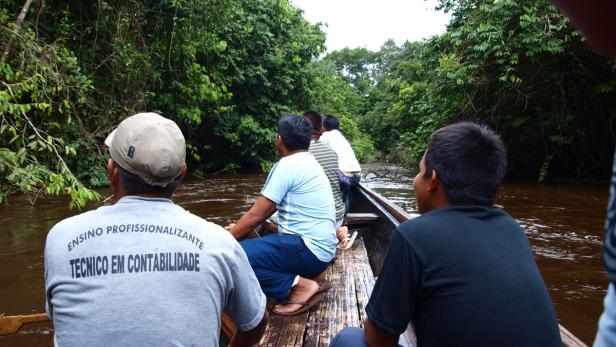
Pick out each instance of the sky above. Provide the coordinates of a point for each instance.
(369, 23)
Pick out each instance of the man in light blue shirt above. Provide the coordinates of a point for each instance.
(305, 243)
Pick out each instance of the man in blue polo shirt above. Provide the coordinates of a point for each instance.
(305, 243)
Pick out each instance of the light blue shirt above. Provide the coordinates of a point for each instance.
(303, 196)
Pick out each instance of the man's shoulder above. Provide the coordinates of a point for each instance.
(68, 228)
(212, 228)
(99, 216)
(451, 218)
(298, 162)
(321, 150)
(338, 135)
(72, 223)
(319, 145)
(423, 223)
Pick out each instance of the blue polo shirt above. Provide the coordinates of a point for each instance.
(303, 196)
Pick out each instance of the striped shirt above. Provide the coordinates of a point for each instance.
(328, 160)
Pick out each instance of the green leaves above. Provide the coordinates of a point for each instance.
(40, 83)
(225, 71)
(517, 66)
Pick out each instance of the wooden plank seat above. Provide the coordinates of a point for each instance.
(361, 218)
(351, 281)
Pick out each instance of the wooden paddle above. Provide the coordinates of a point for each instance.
(12, 324)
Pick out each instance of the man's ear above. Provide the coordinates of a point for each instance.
(113, 172)
(282, 149)
(434, 181)
(183, 171)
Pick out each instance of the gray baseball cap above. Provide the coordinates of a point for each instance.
(149, 146)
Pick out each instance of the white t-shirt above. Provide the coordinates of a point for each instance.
(145, 272)
(346, 157)
(299, 187)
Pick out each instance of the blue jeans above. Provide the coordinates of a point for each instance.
(347, 183)
(606, 335)
(277, 259)
(350, 337)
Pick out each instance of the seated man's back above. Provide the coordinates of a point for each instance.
(464, 275)
(145, 272)
(463, 272)
(347, 162)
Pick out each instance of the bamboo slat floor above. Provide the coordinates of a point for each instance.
(351, 281)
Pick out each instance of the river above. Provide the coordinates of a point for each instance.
(564, 224)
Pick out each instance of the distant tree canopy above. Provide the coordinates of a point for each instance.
(518, 66)
(227, 70)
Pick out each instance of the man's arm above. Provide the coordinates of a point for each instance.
(271, 227)
(250, 337)
(262, 208)
(377, 337)
(394, 296)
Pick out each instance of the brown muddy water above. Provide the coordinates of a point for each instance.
(564, 224)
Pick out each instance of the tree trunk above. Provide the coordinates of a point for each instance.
(18, 24)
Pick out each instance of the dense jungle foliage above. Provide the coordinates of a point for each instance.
(518, 66)
(226, 70)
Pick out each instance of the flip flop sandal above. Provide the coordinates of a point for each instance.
(305, 306)
(272, 302)
(323, 289)
(351, 240)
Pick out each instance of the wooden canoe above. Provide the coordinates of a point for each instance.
(390, 216)
(351, 277)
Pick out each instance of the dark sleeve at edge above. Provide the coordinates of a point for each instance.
(393, 299)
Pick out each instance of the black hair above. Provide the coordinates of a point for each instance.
(295, 132)
(470, 160)
(331, 123)
(134, 185)
(315, 120)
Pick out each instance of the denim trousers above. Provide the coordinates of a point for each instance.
(350, 337)
(348, 183)
(606, 335)
(277, 259)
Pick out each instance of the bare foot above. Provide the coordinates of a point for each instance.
(319, 277)
(343, 236)
(344, 230)
(302, 292)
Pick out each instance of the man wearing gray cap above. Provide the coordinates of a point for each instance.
(144, 271)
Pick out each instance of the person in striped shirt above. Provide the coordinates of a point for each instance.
(328, 159)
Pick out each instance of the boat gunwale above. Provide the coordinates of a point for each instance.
(391, 210)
